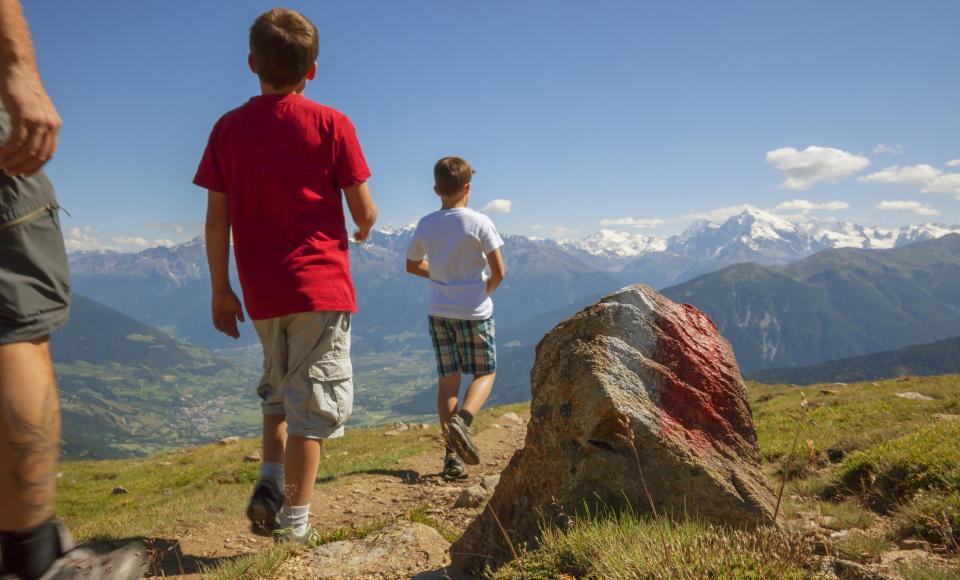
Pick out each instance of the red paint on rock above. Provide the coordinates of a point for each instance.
(702, 395)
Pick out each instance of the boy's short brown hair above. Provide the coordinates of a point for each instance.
(452, 174)
(284, 44)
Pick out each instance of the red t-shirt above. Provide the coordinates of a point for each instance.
(284, 160)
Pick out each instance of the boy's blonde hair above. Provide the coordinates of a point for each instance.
(284, 44)
(451, 175)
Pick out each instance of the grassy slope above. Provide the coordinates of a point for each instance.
(860, 427)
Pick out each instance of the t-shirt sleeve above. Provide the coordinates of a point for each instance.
(209, 173)
(490, 239)
(417, 250)
(349, 165)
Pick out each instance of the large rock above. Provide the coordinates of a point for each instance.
(633, 366)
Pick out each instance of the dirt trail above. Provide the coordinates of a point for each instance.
(353, 501)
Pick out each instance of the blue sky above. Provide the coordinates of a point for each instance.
(639, 116)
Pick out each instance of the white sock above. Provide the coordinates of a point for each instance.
(296, 517)
(272, 472)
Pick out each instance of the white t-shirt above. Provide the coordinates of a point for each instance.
(456, 242)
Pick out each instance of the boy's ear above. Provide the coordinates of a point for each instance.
(253, 67)
(466, 188)
(312, 73)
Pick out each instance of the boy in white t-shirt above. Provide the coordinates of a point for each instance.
(453, 247)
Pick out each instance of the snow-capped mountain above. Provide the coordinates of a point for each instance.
(616, 245)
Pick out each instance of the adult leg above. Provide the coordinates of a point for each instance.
(29, 434)
(29, 453)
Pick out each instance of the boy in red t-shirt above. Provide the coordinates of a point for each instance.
(275, 168)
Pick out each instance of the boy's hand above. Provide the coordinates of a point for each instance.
(227, 310)
(361, 234)
(34, 122)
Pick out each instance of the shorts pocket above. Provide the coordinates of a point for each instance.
(332, 384)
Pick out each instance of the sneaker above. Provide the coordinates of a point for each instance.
(128, 562)
(263, 509)
(452, 467)
(308, 538)
(459, 435)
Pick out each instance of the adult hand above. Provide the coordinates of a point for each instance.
(35, 123)
(227, 310)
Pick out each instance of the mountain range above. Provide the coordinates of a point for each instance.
(144, 373)
(938, 358)
(835, 304)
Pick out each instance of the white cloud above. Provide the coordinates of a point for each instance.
(634, 222)
(82, 240)
(891, 149)
(716, 215)
(131, 241)
(953, 163)
(926, 178)
(911, 206)
(555, 232)
(814, 164)
(498, 206)
(805, 206)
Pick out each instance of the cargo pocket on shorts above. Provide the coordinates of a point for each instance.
(332, 381)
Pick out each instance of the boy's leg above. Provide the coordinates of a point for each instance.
(478, 392)
(267, 497)
(447, 395)
(301, 460)
(318, 399)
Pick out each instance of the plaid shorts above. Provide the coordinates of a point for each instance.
(463, 346)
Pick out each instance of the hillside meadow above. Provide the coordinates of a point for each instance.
(871, 474)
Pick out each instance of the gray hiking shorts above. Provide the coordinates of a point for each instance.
(307, 373)
(34, 279)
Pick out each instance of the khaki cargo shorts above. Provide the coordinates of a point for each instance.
(307, 374)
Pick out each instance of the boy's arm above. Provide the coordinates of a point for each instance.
(497, 270)
(226, 307)
(362, 209)
(419, 268)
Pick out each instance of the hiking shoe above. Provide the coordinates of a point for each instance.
(452, 467)
(459, 436)
(264, 506)
(308, 538)
(128, 562)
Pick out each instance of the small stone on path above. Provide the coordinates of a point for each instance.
(512, 417)
(391, 433)
(120, 490)
(253, 457)
(229, 440)
(472, 497)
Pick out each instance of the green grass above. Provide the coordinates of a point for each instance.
(177, 490)
(894, 471)
(932, 516)
(627, 546)
(846, 515)
(861, 547)
(859, 416)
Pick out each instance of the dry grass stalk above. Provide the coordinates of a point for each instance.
(793, 449)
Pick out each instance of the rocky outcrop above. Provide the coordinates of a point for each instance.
(633, 392)
(400, 550)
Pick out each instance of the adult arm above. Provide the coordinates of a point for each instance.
(362, 209)
(226, 308)
(419, 268)
(34, 121)
(497, 270)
